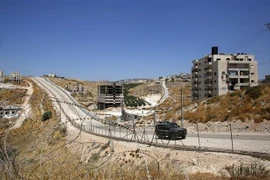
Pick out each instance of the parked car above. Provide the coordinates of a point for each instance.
(170, 130)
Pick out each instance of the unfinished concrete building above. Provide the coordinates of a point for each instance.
(110, 95)
(218, 73)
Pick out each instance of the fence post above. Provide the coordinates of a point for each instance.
(198, 134)
(231, 134)
(120, 131)
(114, 130)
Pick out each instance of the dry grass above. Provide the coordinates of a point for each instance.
(145, 89)
(170, 109)
(12, 96)
(239, 105)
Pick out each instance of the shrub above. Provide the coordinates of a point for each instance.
(47, 115)
(250, 170)
(254, 92)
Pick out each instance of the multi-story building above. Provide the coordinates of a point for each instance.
(110, 95)
(2, 77)
(78, 88)
(267, 79)
(218, 73)
(15, 76)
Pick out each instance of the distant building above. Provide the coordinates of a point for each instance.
(267, 79)
(9, 111)
(15, 76)
(78, 88)
(110, 95)
(52, 75)
(2, 77)
(218, 73)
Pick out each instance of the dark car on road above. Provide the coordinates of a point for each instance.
(170, 130)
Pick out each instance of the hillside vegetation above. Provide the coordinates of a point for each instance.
(245, 105)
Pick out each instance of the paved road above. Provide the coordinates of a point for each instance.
(68, 108)
(240, 136)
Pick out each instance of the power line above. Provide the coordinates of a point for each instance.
(249, 40)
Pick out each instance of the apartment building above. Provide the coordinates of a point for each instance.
(267, 79)
(78, 88)
(218, 73)
(15, 76)
(2, 77)
(110, 95)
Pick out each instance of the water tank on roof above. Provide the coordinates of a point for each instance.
(214, 50)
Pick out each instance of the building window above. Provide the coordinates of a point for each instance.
(223, 72)
(252, 73)
(252, 81)
(228, 59)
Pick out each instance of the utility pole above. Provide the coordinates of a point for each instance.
(182, 108)
(268, 29)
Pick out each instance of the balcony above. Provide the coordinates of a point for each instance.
(208, 77)
(208, 81)
(208, 69)
(244, 76)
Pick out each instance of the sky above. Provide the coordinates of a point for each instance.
(123, 39)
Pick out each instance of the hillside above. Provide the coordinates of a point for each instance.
(252, 104)
(89, 99)
(51, 150)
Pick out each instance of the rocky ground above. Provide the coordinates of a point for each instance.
(129, 153)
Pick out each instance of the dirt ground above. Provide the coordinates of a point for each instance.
(130, 153)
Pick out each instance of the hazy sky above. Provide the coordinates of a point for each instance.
(114, 40)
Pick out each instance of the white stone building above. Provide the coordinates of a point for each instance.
(218, 73)
(15, 76)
